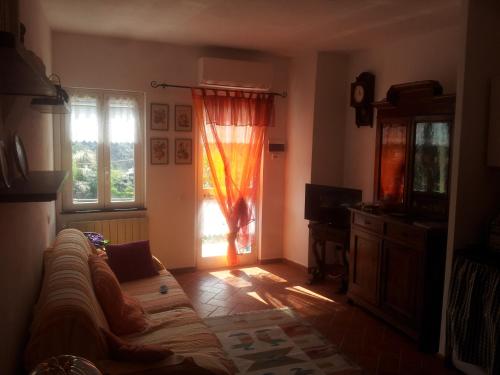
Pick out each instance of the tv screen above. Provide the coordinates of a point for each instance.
(329, 204)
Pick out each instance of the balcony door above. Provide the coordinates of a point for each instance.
(212, 226)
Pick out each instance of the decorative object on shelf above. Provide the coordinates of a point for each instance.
(4, 166)
(66, 365)
(58, 104)
(159, 150)
(183, 151)
(20, 157)
(370, 207)
(362, 96)
(22, 73)
(183, 118)
(159, 116)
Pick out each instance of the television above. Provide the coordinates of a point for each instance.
(329, 204)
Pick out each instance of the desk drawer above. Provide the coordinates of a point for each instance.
(368, 222)
(409, 234)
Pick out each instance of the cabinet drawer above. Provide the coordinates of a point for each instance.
(411, 235)
(368, 222)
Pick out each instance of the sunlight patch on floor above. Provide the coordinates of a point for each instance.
(309, 293)
(230, 277)
(238, 277)
(257, 297)
(262, 274)
(274, 301)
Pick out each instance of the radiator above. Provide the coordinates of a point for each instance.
(116, 231)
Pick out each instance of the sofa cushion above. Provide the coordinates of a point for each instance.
(131, 261)
(185, 334)
(124, 313)
(67, 317)
(122, 350)
(147, 291)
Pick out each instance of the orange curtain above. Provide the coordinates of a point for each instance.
(232, 127)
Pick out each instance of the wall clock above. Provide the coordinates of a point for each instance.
(362, 96)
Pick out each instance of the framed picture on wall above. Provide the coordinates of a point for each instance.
(159, 150)
(159, 116)
(183, 151)
(183, 118)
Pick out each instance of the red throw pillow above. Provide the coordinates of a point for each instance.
(124, 314)
(131, 261)
(122, 350)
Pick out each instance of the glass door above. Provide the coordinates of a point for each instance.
(431, 160)
(212, 226)
(392, 167)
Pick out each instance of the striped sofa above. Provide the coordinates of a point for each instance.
(68, 318)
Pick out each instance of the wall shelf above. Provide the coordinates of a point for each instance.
(41, 186)
(21, 71)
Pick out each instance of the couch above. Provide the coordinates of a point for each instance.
(69, 320)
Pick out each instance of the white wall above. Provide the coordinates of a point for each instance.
(315, 140)
(429, 56)
(111, 63)
(329, 119)
(299, 141)
(26, 229)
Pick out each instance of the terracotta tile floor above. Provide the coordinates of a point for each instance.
(378, 348)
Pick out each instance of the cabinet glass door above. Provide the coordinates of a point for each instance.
(432, 154)
(393, 163)
(431, 168)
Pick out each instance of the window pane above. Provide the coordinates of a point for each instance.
(432, 150)
(84, 141)
(122, 122)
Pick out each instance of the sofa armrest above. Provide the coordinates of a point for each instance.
(158, 264)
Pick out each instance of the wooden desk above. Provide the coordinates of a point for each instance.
(320, 234)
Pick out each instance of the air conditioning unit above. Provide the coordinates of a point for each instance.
(226, 73)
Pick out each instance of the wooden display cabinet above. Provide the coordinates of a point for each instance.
(397, 272)
(397, 256)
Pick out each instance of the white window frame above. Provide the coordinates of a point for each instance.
(104, 202)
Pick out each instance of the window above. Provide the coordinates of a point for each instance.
(103, 150)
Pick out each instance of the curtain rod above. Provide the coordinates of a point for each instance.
(155, 85)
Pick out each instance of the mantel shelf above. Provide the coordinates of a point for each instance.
(41, 186)
(21, 71)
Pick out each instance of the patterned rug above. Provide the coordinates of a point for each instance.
(272, 342)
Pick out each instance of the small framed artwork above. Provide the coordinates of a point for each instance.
(183, 118)
(183, 151)
(159, 116)
(159, 150)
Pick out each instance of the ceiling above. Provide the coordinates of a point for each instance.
(286, 27)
